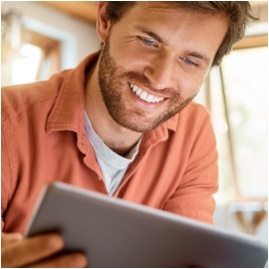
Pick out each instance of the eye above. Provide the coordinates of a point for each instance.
(148, 42)
(188, 61)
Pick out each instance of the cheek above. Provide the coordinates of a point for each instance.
(129, 60)
(128, 54)
(189, 84)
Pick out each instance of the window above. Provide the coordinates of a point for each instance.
(26, 56)
(246, 86)
(25, 68)
(236, 95)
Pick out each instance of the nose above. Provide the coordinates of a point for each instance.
(161, 71)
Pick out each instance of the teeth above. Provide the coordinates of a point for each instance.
(144, 95)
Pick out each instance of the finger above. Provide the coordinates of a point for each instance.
(31, 250)
(72, 260)
(8, 238)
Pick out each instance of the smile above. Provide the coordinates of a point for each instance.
(144, 95)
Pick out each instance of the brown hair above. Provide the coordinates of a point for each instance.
(238, 15)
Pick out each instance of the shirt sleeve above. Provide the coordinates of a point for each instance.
(193, 197)
(6, 162)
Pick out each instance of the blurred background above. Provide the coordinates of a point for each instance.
(40, 38)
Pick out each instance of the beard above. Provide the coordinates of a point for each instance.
(114, 84)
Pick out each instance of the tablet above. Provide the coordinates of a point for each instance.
(119, 234)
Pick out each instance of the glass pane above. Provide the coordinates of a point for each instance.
(246, 86)
(25, 68)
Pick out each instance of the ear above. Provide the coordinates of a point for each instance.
(102, 23)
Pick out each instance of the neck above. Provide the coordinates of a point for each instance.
(117, 138)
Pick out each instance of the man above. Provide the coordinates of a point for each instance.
(112, 124)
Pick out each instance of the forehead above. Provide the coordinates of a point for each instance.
(160, 9)
(172, 12)
(193, 6)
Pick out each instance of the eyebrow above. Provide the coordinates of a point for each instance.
(159, 39)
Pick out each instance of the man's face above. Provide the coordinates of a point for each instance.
(154, 61)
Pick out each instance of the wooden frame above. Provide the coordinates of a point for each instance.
(252, 41)
(85, 10)
(50, 47)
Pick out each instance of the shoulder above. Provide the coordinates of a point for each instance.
(190, 117)
(195, 110)
(193, 128)
(194, 114)
(19, 98)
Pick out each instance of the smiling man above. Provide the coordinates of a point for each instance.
(122, 123)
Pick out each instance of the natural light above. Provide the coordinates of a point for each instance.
(25, 68)
(246, 91)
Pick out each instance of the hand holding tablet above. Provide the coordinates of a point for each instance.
(116, 233)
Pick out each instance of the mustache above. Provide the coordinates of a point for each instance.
(144, 80)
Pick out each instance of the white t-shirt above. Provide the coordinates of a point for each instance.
(112, 165)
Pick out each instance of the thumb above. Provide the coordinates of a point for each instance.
(8, 238)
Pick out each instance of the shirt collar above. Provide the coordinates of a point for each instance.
(68, 110)
(173, 123)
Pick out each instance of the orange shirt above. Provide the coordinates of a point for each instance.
(44, 140)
